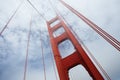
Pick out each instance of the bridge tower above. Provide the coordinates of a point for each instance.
(79, 56)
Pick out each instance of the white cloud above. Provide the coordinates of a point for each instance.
(14, 41)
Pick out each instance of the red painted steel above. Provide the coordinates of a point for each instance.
(76, 58)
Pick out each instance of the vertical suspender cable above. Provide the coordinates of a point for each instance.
(11, 18)
(41, 44)
(43, 60)
(40, 38)
(101, 32)
(53, 65)
(27, 51)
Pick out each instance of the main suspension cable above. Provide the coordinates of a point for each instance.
(101, 32)
(11, 18)
(27, 51)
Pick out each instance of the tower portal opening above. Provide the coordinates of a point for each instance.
(79, 72)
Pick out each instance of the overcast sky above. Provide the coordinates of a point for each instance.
(13, 42)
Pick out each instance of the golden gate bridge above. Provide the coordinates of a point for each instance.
(79, 56)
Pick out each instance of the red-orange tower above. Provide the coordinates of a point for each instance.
(76, 58)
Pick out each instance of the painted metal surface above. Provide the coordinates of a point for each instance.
(79, 57)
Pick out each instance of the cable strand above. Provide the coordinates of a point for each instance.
(43, 59)
(27, 51)
(115, 43)
(6, 25)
